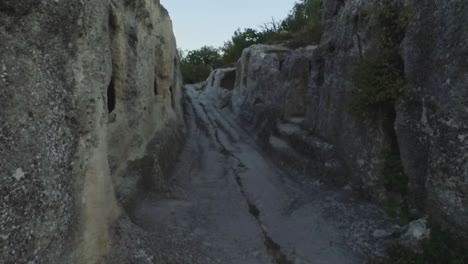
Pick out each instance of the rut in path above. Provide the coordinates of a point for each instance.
(230, 203)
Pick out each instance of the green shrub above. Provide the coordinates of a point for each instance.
(304, 23)
(308, 35)
(300, 28)
(196, 65)
(379, 79)
(232, 49)
(305, 13)
(273, 33)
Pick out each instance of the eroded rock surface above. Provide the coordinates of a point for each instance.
(232, 202)
(431, 117)
(224, 79)
(87, 88)
(305, 96)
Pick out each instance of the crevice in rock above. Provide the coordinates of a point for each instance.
(111, 96)
(358, 37)
(394, 178)
(213, 80)
(215, 125)
(111, 101)
(273, 248)
(319, 78)
(172, 97)
(389, 121)
(113, 23)
(281, 62)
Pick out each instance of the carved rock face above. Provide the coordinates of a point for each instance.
(78, 105)
(427, 125)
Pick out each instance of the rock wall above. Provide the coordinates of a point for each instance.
(431, 118)
(87, 90)
(306, 95)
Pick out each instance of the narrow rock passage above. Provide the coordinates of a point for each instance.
(230, 203)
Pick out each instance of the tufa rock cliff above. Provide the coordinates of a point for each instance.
(405, 144)
(88, 89)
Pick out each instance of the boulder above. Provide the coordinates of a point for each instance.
(415, 232)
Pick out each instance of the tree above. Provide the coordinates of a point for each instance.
(196, 65)
(241, 39)
(304, 13)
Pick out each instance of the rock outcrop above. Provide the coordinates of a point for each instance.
(88, 89)
(309, 93)
(224, 79)
(431, 118)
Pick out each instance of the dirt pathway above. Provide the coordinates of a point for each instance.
(230, 203)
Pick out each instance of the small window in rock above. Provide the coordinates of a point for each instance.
(281, 64)
(228, 81)
(112, 22)
(111, 97)
(172, 98)
(213, 80)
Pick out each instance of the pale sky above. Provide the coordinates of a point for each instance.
(211, 22)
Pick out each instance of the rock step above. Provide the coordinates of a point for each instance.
(316, 149)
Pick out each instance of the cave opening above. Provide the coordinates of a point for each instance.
(213, 80)
(111, 97)
(229, 80)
